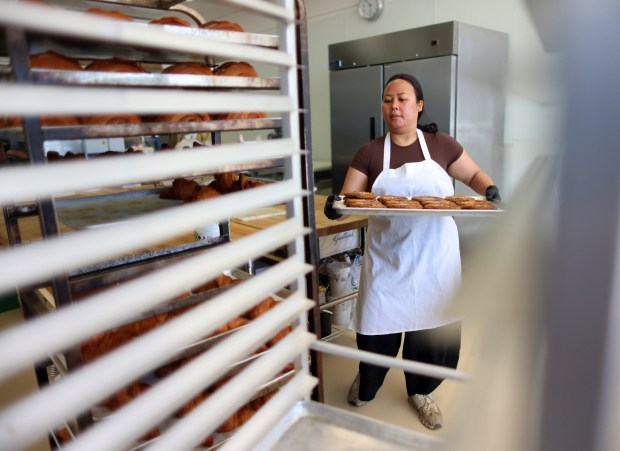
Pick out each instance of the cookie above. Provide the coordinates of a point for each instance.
(409, 204)
(363, 203)
(360, 195)
(477, 205)
(426, 198)
(440, 205)
(392, 198)
(459, 199)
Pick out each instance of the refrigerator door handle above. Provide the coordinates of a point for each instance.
(372, 128)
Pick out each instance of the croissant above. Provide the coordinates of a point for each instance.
(246, 115)
(101, 344)
(111, 119)
(188, 67)
(64, 121)
(53, 60)
(7, 122)
(220, 281)
(223, 280)
(237, 419)
(236, 69)
(205, 192)
(279, 336)
(236, 323)
(260, 308)
(224, 183)
(246, 182)
(115, 65)
(222, 25)
(183, 117)
(170, 20)
(190, 405)
(183, 188)
(126, 394)
(109, 13)
(262, 400)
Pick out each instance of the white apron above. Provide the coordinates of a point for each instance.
(412, 264)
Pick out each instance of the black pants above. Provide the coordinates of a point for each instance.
(439, 346)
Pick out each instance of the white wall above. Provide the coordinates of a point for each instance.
(532, 86)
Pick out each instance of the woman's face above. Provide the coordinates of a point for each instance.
(400, 106)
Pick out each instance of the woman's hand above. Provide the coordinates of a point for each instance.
(329, 207)
(492, 193)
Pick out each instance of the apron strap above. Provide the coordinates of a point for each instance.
(386, 152)
(387, 146)
(427, 155)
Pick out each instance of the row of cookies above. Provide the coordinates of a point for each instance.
(362, 199)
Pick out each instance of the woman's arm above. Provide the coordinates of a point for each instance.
(467, 171)
(355, 181)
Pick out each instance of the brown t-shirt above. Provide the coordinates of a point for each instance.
(442, 148)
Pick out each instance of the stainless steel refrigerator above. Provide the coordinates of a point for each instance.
(461, 68)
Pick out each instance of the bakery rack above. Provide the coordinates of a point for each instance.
(122, 282)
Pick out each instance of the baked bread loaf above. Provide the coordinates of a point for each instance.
(188, 68)
(115, 65)
(235, 69)
(183, 117)
(111, 119)
(170, 20)
(109, 13)
(53, 60)
(222, 25)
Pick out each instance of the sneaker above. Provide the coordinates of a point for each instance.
(430, 415)
(354, 393)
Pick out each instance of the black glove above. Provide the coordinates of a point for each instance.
(329, 207)
(493, 193)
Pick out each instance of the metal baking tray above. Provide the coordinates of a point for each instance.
(87, 50)
(310, 425)
(57, 133)
(94, 211)
(340, 207)
(65, 77)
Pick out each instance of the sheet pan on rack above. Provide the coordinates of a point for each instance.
(94, 211)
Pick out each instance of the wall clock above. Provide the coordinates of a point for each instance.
(370, 9)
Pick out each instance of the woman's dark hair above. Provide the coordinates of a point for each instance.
(417, 87)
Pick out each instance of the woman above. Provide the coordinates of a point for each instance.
(411, 264)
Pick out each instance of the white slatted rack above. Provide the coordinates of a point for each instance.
(31, 418)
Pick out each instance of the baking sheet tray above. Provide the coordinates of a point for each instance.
(340, 207)
(94, 211)
(152, 79)
(310, 425)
